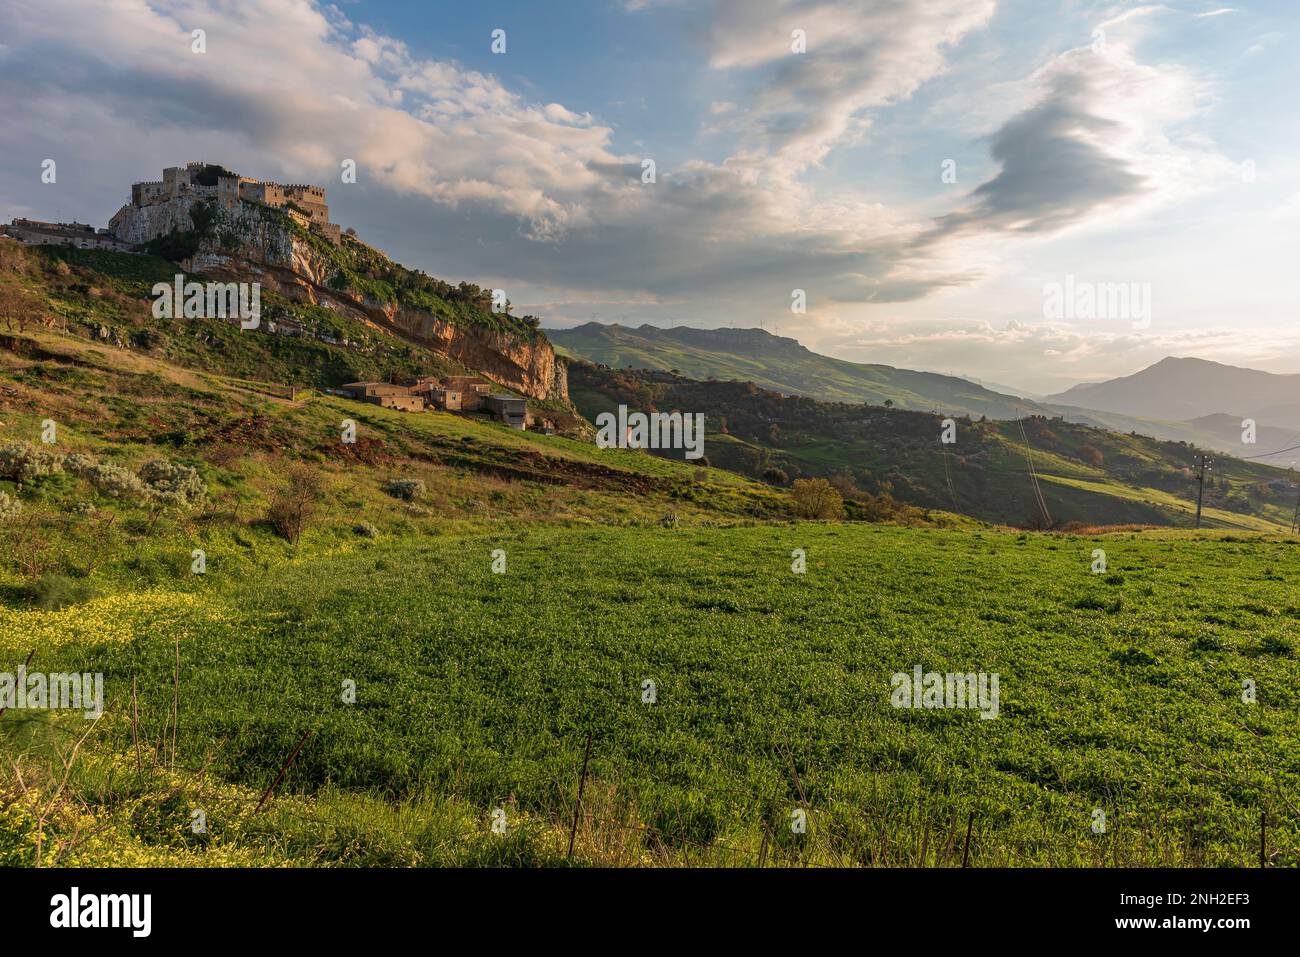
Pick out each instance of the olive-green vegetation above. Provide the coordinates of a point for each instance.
(1086, 475)
(354, 268)
(783, 365)
(107, 297)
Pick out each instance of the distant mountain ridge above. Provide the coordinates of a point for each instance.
(1186, 389)
(783, 365)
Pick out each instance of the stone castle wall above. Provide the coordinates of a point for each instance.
(180, 183)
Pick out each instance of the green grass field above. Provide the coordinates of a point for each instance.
(476, 691)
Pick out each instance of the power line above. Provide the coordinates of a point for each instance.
(1033, 476)
(1264, 455)
(948, 476)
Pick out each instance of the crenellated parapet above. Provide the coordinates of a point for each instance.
(198, 181)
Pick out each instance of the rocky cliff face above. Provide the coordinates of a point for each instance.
(527, 367)
(140, 224)
(247, 244)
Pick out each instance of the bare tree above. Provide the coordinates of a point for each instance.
(296, 502)
(16, 306)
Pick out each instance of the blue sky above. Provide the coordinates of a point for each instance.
(1144, 144)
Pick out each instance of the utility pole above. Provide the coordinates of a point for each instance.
(1206, 463)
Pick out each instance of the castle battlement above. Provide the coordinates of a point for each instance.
(198, 180)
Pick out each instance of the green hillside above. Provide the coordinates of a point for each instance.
(1088, 475)
(781, 365)
(106, 297)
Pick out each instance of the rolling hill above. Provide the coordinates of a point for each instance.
(1164, 402)
(1219, 433)
(1084, 474)
(782, 365)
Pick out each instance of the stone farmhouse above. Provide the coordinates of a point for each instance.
(206, 181)
(385, 394)
(448, 394)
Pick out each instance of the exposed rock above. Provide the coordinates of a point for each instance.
(246, 244)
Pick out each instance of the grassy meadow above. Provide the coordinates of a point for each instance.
(476, 691)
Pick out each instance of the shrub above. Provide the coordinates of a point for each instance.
(1273, 645)
(1133, 656)
(775, 477)
(22, 462)
(79, 463)
(9, 507)
(365, 530)
(669, 520)
(815, 498)
(406, 489)
(1091, 454)
(52, 592)
(112, 480)
(173, 484)
(115, 481)
(295, 503)
(844, 483)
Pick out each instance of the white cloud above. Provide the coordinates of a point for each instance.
(859, 56)
(465, 176)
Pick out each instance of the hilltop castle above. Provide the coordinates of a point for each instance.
(208, 182)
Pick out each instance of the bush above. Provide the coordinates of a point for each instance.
(1091, 454)
(79, 463)
(843, 482)
(173, 484)
(365, 530)
(9, 507)
(775, 477)
(815, 498)
(22, 462)
(1273, 645)
(52, 592)
(112, 480)
(408, 490)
